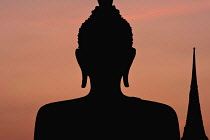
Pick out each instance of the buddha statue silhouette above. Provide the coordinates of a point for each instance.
(105, 55)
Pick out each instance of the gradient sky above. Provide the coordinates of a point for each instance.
(38, 66)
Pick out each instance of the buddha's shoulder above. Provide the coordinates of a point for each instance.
(152, 106)
(62, 105)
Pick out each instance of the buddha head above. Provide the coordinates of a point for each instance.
(105, 49)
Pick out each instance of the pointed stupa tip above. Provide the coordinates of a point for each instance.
(194, 75)
(194, 66)
(194, 57)
(105, 3)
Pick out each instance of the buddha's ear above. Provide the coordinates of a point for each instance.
(81, 61)
(130, 55)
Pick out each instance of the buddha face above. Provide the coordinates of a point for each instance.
(111, 64)
(105, 2)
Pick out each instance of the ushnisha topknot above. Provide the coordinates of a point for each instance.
(105, 2)
(105, 29)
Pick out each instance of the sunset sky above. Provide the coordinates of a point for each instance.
(38, 39)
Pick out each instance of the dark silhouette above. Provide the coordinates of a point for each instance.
(194, 125)
(105, 55)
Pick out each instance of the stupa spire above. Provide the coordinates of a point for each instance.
(194, 75)
(194, 129)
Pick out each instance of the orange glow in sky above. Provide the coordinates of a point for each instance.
(38, 64)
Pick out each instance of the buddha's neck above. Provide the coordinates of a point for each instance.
(105, 87)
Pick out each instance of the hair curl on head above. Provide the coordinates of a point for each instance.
(105, 29)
